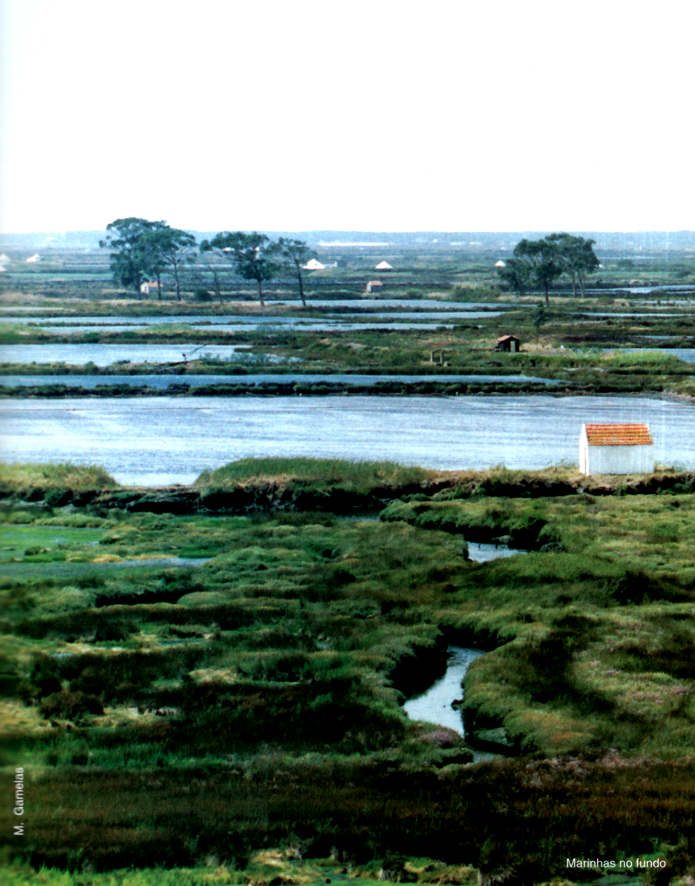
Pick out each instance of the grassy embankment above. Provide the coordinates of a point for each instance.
(172, 713)
(573, 371)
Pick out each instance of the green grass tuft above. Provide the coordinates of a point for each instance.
(14, 477)
(355, 474)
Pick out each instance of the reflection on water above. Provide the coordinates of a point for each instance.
(434, 706)
(160, 440)
(105, 355)
(483, 552)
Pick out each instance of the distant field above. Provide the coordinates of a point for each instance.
(418, 267)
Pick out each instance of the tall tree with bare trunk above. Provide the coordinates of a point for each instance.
(295, 253)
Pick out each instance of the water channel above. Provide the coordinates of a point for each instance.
(393, 307)
(434, 705)
(446, 322)
(161, 440)
(483, 552)
(106, 354)
(68, 324)
(163, 381)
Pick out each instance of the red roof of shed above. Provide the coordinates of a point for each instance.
(618, 435)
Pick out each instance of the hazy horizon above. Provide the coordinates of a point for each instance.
(328, 242)
(374, 231)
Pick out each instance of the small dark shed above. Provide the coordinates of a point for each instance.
(508, 343)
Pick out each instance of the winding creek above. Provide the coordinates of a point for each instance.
(435, 705)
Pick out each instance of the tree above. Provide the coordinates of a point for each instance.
(131, 257)
(515, 274)
(296, 253)
(541, 261)
(576, 256)
(538, 263)
(169, 248)
(253, 255)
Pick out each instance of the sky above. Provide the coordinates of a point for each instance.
(413, 115)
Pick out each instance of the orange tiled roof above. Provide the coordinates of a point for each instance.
(618, 435)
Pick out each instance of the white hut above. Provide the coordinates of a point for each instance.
(500, 264)
(313, 265)
(33, 258)
(148, 286)
(616, 449)
(383, 266)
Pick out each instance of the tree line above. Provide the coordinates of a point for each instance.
(536, 264)
(143, 250)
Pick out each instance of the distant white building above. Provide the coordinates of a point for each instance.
(383, 266)
(616, 449)
(313, 265)
(500, 264)
(148, 286)
(33, 258)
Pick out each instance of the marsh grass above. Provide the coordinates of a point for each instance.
(281, 608)
(315, 589)
(354, 475)
(285, 865)
(644, 360)
(611, 577)
(256, 699)
(17, 477)
(377, 812)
